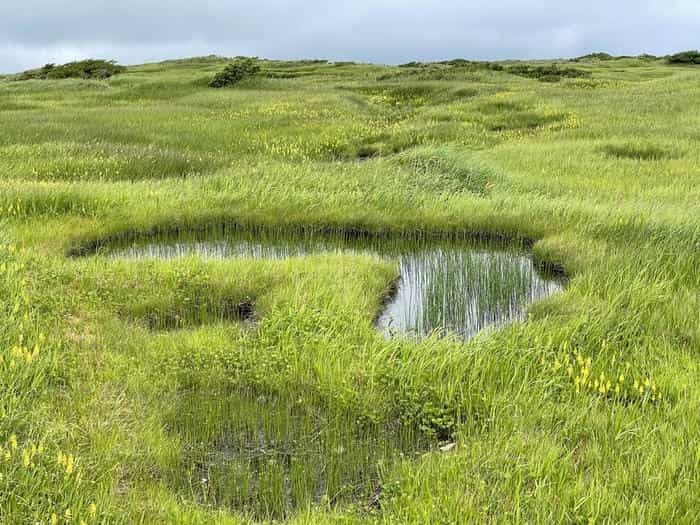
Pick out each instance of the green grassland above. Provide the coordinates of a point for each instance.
(117, 377)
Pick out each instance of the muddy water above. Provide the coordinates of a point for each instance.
(458, 286)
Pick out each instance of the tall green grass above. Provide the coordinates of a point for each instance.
(147, 376)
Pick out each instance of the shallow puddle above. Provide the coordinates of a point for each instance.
(459, 286)
(268, 457)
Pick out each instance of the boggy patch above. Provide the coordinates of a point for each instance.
(69, 162)
(509, 115)
(182, 294)
(48, 201)
(447, 170)
(499, 106)
(267, 456)
(386, 144)
(640, 151)
(464, 93)
(398, 95)
(15, 105)
(523, 120)
(200, 311)
(412, 95)
(260, 439)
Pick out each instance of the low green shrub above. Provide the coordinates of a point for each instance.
(87, 69)
(236, 71)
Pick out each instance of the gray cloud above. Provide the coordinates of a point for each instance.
(33, 32)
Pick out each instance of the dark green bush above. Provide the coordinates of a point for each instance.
(686, 57)
(236, 71)
(88, 69)
(551, 73)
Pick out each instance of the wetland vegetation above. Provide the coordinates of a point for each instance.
(149, 376)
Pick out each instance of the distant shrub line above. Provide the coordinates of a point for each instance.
(87, 69)
(544, 73)
(686, 57)
(594, 56)
(472, 65)
(551, 73)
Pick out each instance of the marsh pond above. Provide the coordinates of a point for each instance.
(458, 286)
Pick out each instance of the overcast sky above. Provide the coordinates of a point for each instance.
(34, 32)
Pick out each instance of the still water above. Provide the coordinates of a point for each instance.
(454, 286)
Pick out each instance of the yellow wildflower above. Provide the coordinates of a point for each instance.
(69, 464)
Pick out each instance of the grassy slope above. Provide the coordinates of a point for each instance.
(601, 172)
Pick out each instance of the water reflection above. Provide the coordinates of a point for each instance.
(455, 286)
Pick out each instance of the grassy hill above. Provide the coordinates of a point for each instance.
(129, 390)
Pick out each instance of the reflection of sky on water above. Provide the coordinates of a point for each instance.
(460, 287)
